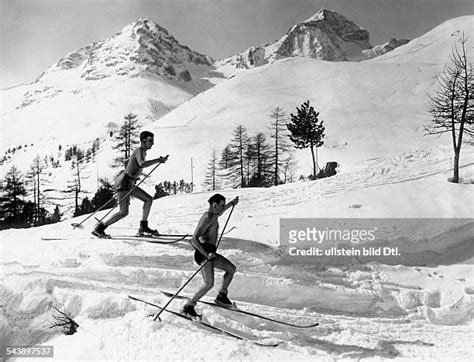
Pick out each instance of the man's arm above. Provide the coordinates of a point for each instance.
(201, 228)
(234, 202)
(143, 163)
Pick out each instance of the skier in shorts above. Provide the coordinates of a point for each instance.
(205, 240)
(125, 182)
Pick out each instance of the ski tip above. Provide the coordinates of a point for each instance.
(75, 225)
(268, 342)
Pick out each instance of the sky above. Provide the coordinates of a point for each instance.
(34, 34)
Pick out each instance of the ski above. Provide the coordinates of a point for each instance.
(235, 309)
(159, 239)
(209, 326)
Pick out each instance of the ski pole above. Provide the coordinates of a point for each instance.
(79, 225)
(195, 273)
(227, 221)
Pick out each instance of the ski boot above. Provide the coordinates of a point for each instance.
(189, 311)
(224, 301)
(144, 230)
(99, 231)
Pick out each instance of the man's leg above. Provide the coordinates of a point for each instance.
(223, 263)
(99, 229)
(207, 273)
(147, 201)
(124, 203)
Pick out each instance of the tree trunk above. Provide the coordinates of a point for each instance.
(456, 165)
(314, 161)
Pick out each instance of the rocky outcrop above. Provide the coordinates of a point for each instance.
(327, 35)
(384, 48)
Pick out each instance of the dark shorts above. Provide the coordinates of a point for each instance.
(209, 248)
(124, 182)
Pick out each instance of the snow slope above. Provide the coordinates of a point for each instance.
(434, 46)
(418, 305)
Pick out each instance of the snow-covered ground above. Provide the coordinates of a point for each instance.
(417, 305)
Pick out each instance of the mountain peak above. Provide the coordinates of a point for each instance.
(145, 26)
(140, 48)
(326, 35)
(323, 14)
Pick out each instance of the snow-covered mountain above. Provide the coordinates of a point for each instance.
(326, 35)
(143, 48)
(142, 64)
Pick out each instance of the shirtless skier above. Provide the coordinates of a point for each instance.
(205, 241)
(125, 182)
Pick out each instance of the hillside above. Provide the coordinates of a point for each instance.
(360, 103)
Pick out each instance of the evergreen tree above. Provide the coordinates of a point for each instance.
(236, 163)
(262, 175)
(126, 139)
(250, 161)
(103, 195)
(226, 157)
(29, 214)
(210, 178)
(56, 217)
(13, 193)
(307, 131)
(279, 133)
(37, 179)
(85, 208)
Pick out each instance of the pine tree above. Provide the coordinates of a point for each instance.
(307, 131)
(13, 191)
(262, 175)
(37, 180)
(279, 134)
(56, 217)
(210, 178)
(103, 195)
(250, 161)
(126, 139)
(238, 146)
(226, 156)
